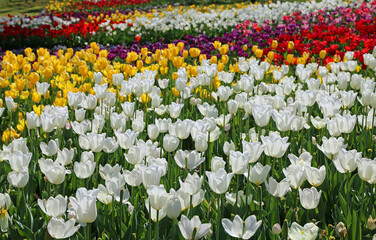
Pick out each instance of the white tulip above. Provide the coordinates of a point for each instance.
(278, 189)
(187, 227)
(50, 149)
(315, 176)
(219, 181)
(308, 232)
(60, 229)
(309, 197)
(241, 229)
(54, 206)
(258, 173)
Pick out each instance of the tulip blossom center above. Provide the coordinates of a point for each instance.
(3, 212)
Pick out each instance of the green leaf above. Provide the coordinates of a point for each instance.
(343, 205)
(354, 226)
(24, 230)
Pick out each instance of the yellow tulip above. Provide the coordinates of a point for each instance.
(144, 52)
(5, 136)
(322, 54)
(47, 95)
(336, 58)
(174, 51)
(236, 67)
(24, 95)
(194, 52)
(178, 62)
(163, 62)
(9, 68)
(35, 97)
(170, 45)
(175, 92)
(301, 61)
(13, 93)
(26, 68)
(216, 83)
(220, 67)
(157, 54)
(180, 46)
(274, 44)
(185, 53)
(271, 56)
(21, 125)
(305, 55)
(204, 93)
(103, 53)
(213, 60)
(259, 53)
(83, 70)
(224, 49)
(145, 98)
(41, 52)
(139, 64)
(62, 102)
(217, 44)
(47, 72)
(290, 45)
(201, 57)
(38, 109)
(148, 60)
(164, 70)
(131, 57)
(20, 84)
(225, 59)
(290, 58)
(165, 53)
(34, 78)
(28, 51)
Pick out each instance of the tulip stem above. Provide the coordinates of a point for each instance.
(370, 130)
(121, 212)
(247, 187)
(10, 124)
(260, 203)
(186, 168)
(149, 220)
(169, 163)
(363, 186)
(194, 233)
(348, 187)
(237, 191)
(208, 161)
(156, 236)
(219, 202)
(54, 187)
(190, 206)
(49, 188)
(19, 196)
(296, 202)
(97, 157)
(87, 232)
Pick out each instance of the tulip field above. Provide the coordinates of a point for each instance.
(124, 119)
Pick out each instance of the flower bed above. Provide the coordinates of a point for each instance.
(115, 28)
(264, 132)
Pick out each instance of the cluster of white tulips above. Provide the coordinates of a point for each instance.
(239, 159)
